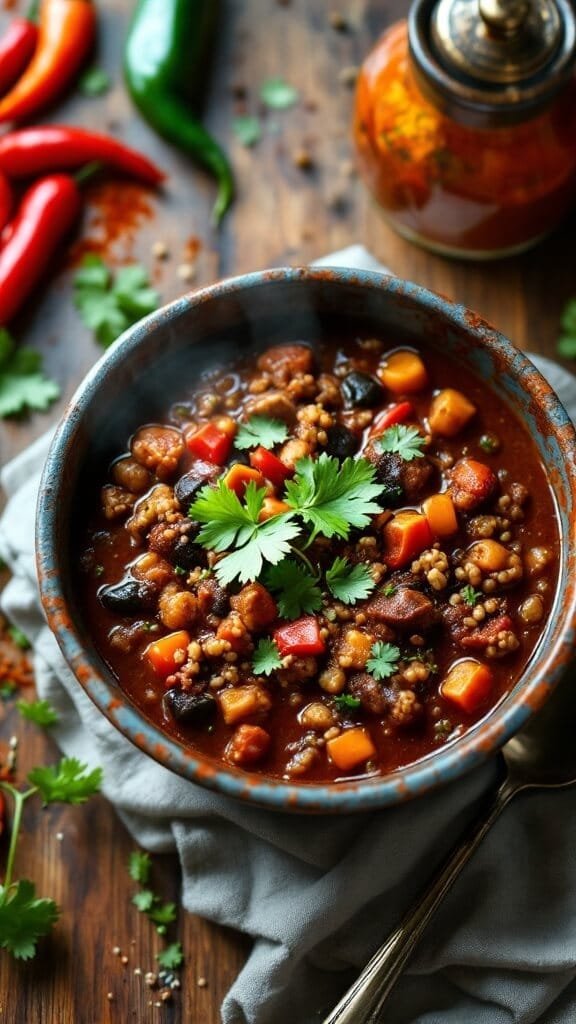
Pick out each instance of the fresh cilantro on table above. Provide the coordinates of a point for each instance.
(383, 660)
(19, 638)
(407, 442)
(38, 711)
(260, 430)
(171, 957)
(7, 689)
(162, 914)
(139, 866)
(346, 702)
(144, 900)
(266, 657)
(470, 596)
(23, 386)
(247, 129)
(278, 94)
(349, 583)
(228, 523)
(295, 588)
(566, 345)
(94, 82)
(25, 917)
(332, 496)
(109, 304)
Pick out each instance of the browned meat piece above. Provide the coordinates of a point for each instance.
(187, 487)
(283, 362)
(150, 509)
(248, 745)
(487, 634)
(178, 608)
(175, 541)
(415, 477)
(234, 631)
(472, 483)
(152, 570)
(128, 473)
(405, 609)
(255, 606)
(299, 671)
(329, 395)
(212, 598)
(116, 502)
(274, 404)
(369, 692)
(158, 449)
(293, 450)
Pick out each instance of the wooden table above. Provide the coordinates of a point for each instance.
(283, 215)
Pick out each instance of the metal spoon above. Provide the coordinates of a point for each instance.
(541, 756)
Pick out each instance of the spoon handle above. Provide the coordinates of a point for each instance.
(362, 1003)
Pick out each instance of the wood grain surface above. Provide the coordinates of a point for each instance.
(283, 214)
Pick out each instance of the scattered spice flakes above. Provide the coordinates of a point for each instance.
(94, 82)
(277, 94)
(348, 75)
(202, 983)
(338, 22)
(15, 667)
(160, 250)
(186, 272)
(303, 159)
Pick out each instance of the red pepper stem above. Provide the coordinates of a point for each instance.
(33, 12)
(88, 172)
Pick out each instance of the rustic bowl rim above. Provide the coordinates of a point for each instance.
(438, 768)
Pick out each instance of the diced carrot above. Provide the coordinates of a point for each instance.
(449, 412)
(468, 684)
(489, 555)
(441, 515)
(163, 654)
(406, 535)
(248, 744)
(272, 507)
(240, 702)
(238, 477)
(351, 748)
(403, 372)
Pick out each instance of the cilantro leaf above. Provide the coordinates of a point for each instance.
(266, 658)
(23, 386)
(269, 542)
(163, 914)
(24, 918)
(261, 430)
(38, 711)
(389, 589)
(19, 638)
(566, 345)
(349, 583)
(108, 305)
(404, 441)
(278, 94)
(470, 596)
(384, 659)
(144, 900)
(171, 957)
(345, 702)
(139, 866)
(333, 496)
(69, 782)
(297, 591)
(247, 130)
(94, 82)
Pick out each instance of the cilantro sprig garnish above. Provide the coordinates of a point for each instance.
(23, 386)
(109, 304)
(349, 583)
(407, 442)
(150, 903)
(566, 345)
(39, 711)
(383, 660)
(296, 590)
(24, 916)
(332, 496)
(470, 596)
(266, 658)
(346, 702)
(260, 430)
(171, 957)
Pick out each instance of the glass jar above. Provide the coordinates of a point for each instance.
(461, 178)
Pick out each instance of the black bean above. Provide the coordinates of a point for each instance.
(187, 554)
(187, 487)
(342, 442)
(191, 708)
(361, 390)
(128, 597)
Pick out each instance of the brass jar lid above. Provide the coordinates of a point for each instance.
(492, 61)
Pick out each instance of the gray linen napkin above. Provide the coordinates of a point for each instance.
(319, 894)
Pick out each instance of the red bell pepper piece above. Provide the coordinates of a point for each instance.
(33, 151)
(270, 466)
(6, 200)
(300, 637)
(47, 212)
(66, 35)
(406, 536)
(16, 48)
(238, 477)
(398, 413)
(210, 444)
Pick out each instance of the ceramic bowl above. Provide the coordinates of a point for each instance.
(139, 374)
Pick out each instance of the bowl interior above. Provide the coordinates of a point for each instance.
(159, 360)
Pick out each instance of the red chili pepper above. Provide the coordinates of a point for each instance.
(269, 465)
(16, 49)
(34, 151)
(210, 444)
(6, 201)
(398, 413)
(300, 637)
(47, 212)
(67, 31)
